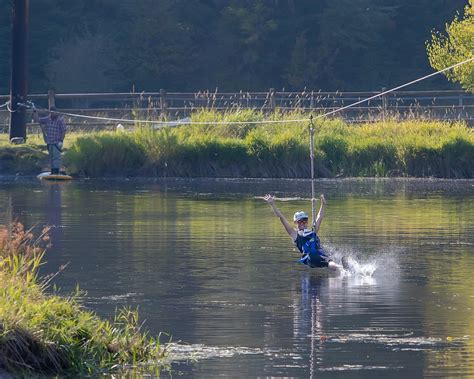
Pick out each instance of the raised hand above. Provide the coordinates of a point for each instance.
(269, 199)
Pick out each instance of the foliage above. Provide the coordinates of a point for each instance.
(182, 45)
(105, 154)
(457, 46)
(47, 334)
(391, 148)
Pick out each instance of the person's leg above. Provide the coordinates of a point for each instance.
(334, 266)
(55, 159)
(51, 157)
(322, 261)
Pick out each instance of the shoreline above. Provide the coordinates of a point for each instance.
(44, 333)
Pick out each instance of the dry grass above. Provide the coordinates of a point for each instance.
(48, 334)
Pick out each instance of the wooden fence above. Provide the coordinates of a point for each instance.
(439, 105)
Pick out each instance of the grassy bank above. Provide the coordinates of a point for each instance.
(53, 335)
(383, 149)
(392, 148)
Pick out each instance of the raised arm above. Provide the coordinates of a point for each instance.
(321, 212)
(289, 229)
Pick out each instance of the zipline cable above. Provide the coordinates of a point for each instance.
(311, 128)
(395, 88)
(311, 125)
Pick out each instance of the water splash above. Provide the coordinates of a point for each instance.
(381, 264)
(358, 268)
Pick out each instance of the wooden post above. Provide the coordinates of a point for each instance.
(384, 104)
(162, 104)
(311, 101)
(51, 99)
(271, 99)
(461, 107)
(19, 70)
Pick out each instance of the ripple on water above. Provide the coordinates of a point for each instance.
(193, 352)
(404, 341)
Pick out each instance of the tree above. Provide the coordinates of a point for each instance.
(351, 38)
(457, 46)
(157, 51)
(187, 45)
(247, 43)
(301, 69)
(82, 64)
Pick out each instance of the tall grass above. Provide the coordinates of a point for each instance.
(48, 334)
(390, 148)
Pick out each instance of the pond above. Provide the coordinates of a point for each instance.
(208, 264)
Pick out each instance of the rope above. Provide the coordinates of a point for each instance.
(311, 154)
(4, 105)
(164, 123)
(173, 123)
(9, 109)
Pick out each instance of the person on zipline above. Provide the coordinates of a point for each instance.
(306, 240)
(54, 131)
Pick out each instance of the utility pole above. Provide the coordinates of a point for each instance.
(19, 70)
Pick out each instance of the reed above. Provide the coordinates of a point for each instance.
(235, 148)
(106, 153)
(390, 148)
(43, 334)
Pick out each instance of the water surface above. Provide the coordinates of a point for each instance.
(207, 262)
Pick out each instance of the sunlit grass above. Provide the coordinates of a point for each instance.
(236, 148)
(49, 334)
(391, 148)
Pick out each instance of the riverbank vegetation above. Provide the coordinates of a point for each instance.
(42, 333)
(382, 149)
(236, 148)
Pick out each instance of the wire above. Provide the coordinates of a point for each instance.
(173, 123)
(395, 88)
(9, 109)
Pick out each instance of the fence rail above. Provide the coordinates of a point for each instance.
(439, 105)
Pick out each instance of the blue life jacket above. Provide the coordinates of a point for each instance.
(309, 245)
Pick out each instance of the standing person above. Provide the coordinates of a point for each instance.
(306, 240)
(54, 131)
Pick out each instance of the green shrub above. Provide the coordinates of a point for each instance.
(106, 154)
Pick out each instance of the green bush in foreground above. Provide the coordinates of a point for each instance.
(390, 148)
(48, 334)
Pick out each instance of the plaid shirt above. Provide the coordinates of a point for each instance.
(55, 129)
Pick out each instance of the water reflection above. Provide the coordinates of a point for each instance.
(322, 299)
(207, 262)
(54, 217)
(308, 318)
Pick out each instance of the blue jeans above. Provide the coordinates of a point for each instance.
(54, 156)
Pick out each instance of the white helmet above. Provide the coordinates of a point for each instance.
(300, 215)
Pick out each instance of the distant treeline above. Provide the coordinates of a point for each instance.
(182, 45)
